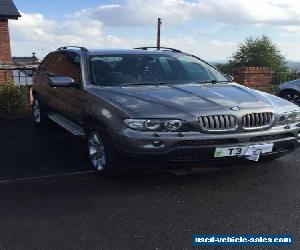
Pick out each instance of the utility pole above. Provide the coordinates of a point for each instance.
(159, 23)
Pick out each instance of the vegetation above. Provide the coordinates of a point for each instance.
(256, 52)
(13, 100)
(225, 67)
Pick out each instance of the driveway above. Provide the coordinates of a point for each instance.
(50, 199)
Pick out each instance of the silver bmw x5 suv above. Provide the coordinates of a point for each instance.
(157, 108)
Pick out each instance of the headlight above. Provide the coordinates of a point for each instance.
(173, 125)
(156, 124)
(152, 124)
(289, 117)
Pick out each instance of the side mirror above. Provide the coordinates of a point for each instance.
(61, 81)
(230, 77)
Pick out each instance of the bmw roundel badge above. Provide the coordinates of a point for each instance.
(235, 108)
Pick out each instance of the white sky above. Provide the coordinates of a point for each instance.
(211, 29)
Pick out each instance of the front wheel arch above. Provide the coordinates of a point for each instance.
(114, 165)
(282, 92)
(90, 121)
(294, 96)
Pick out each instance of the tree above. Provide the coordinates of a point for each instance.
(259, 52)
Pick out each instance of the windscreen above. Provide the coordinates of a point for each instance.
(116, 70)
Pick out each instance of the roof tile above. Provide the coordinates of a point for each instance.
(8, 10)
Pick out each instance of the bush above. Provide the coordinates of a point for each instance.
(259, 52)
(13, 100)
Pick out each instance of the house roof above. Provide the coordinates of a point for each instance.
(25, 60)
(8, 10)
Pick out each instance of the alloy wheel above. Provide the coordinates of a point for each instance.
(36, 111)
(97, 152)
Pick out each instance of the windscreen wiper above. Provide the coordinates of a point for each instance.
(143, 83)
(212, 81)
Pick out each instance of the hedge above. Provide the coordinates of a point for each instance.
(13, 100)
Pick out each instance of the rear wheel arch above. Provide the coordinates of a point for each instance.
(39, 112)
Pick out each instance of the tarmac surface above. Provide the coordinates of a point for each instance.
(51, 199)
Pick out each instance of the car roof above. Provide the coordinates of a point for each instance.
(95, 52)
(127, 52)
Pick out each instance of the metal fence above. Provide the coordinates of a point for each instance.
(23, 77)
(20, 76)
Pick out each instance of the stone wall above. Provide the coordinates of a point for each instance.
(254, 77)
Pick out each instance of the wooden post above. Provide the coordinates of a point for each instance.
(159, 23)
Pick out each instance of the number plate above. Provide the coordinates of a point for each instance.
(243, 150)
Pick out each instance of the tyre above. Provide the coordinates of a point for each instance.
(102, 154)
(39, 113)
(291, 95)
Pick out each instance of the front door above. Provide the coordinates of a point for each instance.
(69, 100)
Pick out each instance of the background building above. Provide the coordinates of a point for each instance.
(8, 11)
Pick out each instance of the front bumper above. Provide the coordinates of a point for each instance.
(195, 147)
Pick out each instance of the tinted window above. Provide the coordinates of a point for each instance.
(65, 64)
(113, 70)
(45, 62)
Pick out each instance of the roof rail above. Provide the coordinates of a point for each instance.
(75, 47)
(158, 48)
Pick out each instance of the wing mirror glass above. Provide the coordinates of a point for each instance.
(60, 81)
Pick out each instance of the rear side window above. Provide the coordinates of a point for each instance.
(65, 64)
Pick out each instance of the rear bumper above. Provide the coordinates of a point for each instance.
(146, 148)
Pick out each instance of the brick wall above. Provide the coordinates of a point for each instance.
(5, 50)
(254, 77)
